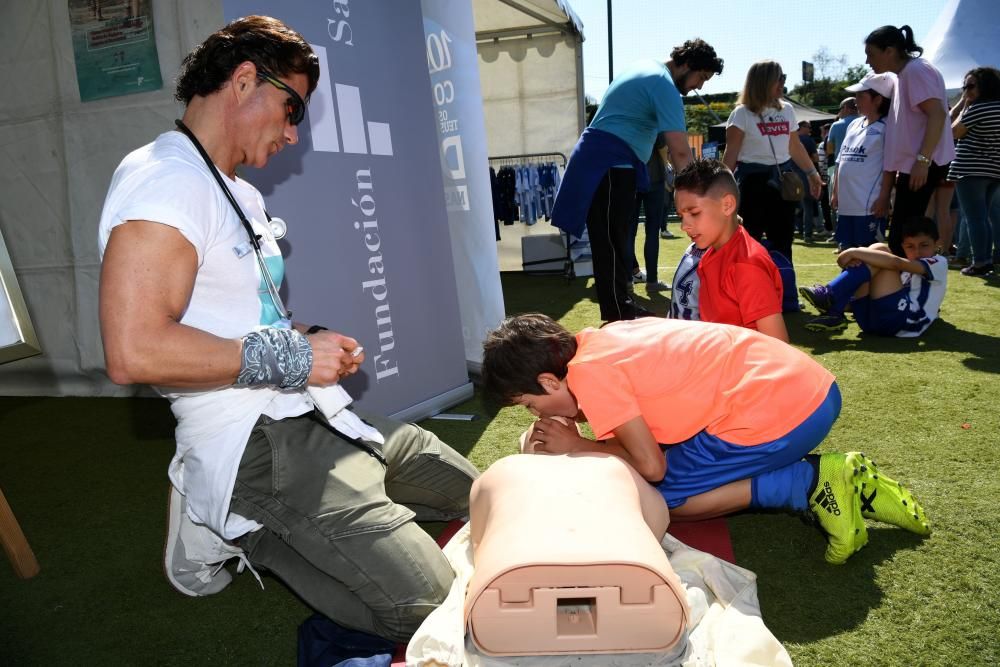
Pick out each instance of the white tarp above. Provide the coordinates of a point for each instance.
(964, 36)
(531, 72)
(56, 161)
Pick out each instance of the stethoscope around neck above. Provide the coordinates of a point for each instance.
(277, 226)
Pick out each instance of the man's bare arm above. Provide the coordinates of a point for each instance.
(147, 278)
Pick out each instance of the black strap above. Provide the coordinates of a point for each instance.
(777, 167)
(254, 238)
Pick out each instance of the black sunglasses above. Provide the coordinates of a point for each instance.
(296, 105)
(969, 86)
(782, 78)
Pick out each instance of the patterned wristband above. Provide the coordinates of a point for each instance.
(281, 357)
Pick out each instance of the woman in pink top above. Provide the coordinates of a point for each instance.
(918, 140)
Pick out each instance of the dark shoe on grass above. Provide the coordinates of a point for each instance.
(819, 296)
(981, 270)
(829, 322)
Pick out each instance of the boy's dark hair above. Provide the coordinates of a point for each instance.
(917, 225)
(264, 41)
(519, 350)
(702, 176)
(698, 55)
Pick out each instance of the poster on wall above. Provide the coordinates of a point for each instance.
(114, 46)
(368, 252)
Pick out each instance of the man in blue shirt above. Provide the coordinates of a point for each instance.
(608, 163)
(848, 112)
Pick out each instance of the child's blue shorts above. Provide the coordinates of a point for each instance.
(884, 316)
(706, 462)
(859, 231)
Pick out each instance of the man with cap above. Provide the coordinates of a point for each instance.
(847, 113)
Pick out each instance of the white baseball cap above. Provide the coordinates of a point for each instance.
(884, 84)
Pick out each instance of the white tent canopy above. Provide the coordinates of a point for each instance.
(531, 75)
(965, 36)
(802, 112)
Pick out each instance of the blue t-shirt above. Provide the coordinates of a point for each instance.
(837, 133)
(640, 103)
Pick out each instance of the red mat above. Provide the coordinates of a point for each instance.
(711, 536)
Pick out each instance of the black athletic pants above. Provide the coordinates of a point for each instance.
(609, 225)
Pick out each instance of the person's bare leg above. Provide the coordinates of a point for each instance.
(883, 283)
(939, 209)
(721, 501)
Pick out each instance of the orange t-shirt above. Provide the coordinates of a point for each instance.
(684, 377)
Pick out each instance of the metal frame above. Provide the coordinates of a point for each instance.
(13, 309)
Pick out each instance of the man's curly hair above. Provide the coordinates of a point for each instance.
(698, 55)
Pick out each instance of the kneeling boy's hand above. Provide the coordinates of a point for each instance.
(556, 436)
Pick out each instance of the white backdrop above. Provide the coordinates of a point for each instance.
(532, 86)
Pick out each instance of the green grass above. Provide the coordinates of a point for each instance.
(87, 479)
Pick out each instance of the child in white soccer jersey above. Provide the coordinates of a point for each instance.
(889, 295)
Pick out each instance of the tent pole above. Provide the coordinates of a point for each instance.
(611, 57)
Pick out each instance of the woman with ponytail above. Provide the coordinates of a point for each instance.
(918, 143)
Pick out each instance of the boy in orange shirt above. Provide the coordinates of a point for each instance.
(738, 282)
(718, 417)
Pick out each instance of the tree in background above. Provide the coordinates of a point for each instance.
(699, 119)
(832, 75)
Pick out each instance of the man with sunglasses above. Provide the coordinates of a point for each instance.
(189, 303)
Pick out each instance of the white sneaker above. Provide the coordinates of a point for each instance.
(194, 556)
(658, 286)
(639, 277)
(667, 234)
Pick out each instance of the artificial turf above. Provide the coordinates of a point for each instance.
(87, 480)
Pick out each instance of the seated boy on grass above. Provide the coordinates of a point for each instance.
(889, 295)
(719, 418)
(735, 280)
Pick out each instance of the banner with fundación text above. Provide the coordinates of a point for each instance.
(450, 33)
(368, 252)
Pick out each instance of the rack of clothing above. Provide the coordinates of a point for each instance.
(524, 186)
(524, 190)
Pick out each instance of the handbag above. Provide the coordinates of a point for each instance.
(788, 183)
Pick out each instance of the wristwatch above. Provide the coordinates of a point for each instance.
(923, 158)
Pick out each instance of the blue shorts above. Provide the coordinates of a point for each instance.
(706, 462)
(859, 231)
(884, 316)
